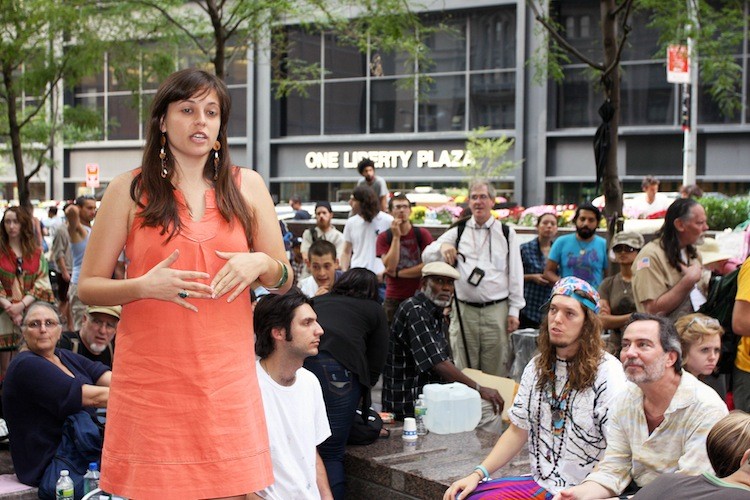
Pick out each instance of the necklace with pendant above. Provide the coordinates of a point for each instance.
(582, 247)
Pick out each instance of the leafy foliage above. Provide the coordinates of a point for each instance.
(722, 213)
(487, 155)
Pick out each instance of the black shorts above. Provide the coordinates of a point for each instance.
(62, 289)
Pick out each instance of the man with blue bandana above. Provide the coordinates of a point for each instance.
(561, 409)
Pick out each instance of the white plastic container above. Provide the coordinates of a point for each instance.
(452, 408)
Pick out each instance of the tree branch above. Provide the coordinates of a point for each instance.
(561, 40)
(623, 39)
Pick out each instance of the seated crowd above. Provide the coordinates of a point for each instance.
(623, 396)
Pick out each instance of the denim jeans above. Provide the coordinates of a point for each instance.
(341, 392)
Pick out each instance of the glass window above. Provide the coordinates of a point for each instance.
(392, 106)
(493, 100)
(124, 73)
(95, 103)
(236, 69)
(345, 108)
(493, 39)
(443, 105)
(575, 100)
(123, 122)
(390, 64)
(646, 97)
(343, 60)
(571, 14)
(91, 83)
(303, 46)
(237, 125)
(300, 113)
(447, 48)
(643, 41)
(709, 111)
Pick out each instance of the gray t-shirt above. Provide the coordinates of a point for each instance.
(378, 185)
(703, 487)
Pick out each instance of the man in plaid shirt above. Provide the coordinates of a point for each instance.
(419, 352)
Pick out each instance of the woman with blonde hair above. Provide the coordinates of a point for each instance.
(23, 276)
(700, 337)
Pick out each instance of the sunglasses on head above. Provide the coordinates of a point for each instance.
(19, 266)
(624, 248)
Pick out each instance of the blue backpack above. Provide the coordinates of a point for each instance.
(81, 444)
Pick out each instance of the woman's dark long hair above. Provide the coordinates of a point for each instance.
(369, 205)
(357, 282)
(670, 242)
(154, 193)
(28, 242)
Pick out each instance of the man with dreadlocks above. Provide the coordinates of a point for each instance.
(560, 411)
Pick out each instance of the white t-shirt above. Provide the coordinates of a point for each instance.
(363, 236)
(297, 422)
(308, 286)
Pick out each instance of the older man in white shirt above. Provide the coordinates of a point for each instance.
(490, 292)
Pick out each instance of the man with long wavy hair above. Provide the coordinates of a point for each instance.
(561, 409)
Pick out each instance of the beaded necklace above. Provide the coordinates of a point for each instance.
(559, 412)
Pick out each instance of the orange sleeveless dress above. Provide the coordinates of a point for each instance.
(185, 418)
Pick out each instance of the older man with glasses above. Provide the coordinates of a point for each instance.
(96, 338)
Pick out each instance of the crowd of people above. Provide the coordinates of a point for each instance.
(220, 389)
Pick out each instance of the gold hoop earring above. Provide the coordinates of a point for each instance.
(163, 156)
(217, 147)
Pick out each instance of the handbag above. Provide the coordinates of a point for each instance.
(11, 333)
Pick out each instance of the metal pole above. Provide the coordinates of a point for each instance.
(689, 168)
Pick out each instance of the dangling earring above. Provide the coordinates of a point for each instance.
(217, 147)
(163, 156)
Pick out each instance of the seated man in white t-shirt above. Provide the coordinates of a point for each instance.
(323, 269)
(287, 332)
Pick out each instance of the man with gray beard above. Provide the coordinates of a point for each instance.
(95, 339)
(419, 352)
(660, 421)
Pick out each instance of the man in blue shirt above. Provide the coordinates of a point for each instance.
(583, 254)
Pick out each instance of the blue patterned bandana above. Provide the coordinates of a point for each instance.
(580, 290)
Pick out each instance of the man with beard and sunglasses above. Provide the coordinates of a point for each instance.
(660, 422)
(667, 272)
(583, 254)
(419, 352)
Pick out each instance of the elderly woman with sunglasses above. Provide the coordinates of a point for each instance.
(700, 338)
(44, 386)
(23, 276)
(617, 291)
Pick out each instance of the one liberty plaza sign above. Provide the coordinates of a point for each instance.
(390, 159)
(332, 162)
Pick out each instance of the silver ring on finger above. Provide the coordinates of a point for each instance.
(183, 294)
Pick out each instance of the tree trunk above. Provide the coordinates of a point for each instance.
(15, 139)
(611, 84)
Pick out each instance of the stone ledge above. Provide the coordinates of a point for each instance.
(396, 469)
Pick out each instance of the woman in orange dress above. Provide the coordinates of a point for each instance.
(185, 418)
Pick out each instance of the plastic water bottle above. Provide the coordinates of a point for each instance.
(91, 478)
(64, 489)
(420, 410)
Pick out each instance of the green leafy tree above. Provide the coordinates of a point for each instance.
(220, 32)
(33, 66)
(487, 155)
(716, 28)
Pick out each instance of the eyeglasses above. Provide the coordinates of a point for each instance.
(624, 248)
(99, 323)
(19, 266)
(36, 324)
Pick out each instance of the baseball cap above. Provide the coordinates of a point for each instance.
(631, 239)
(324, 204)
(114, 311)
(580, 290)
(440, 269)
